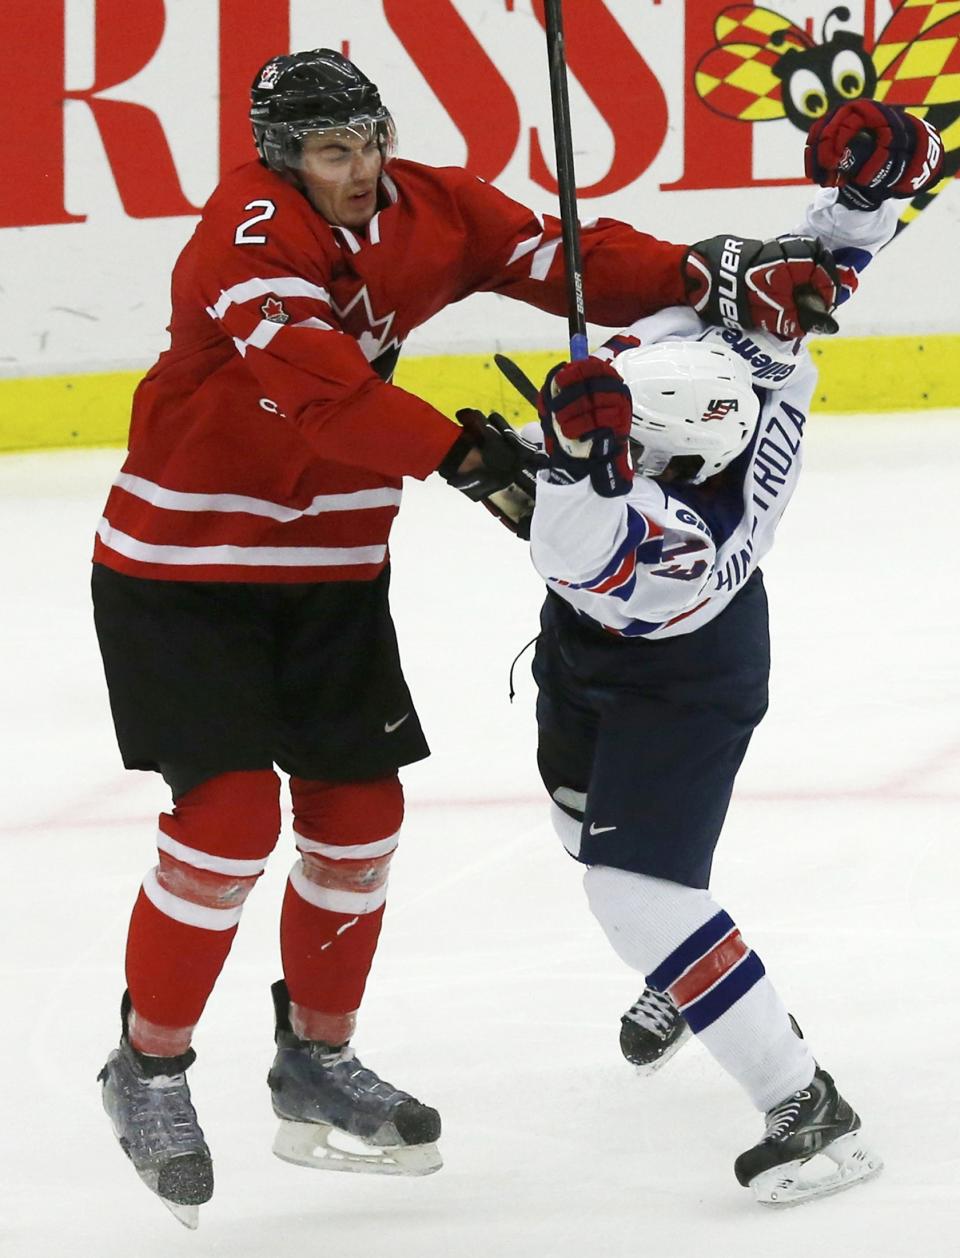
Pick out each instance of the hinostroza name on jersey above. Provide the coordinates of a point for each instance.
(773, 460)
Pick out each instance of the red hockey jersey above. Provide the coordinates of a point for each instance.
(266, 444)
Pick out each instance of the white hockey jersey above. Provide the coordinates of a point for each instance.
(663, 560)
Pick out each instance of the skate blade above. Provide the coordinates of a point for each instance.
(651, 1068)
(189, 1216)
(326, 1148)
(793, 1184)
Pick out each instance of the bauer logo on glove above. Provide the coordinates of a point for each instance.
(786, 286)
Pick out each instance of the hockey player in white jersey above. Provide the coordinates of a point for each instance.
(673, 454)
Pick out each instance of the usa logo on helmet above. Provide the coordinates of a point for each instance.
(719, 407)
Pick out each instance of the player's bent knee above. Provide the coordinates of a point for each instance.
(348, 814)
(233, 815)
(214, 846)
(644, 917)
(346, 834)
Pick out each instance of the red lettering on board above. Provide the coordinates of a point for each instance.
(465, 80)
(717, 151)
(622, 87)
(127, 34)
(251, 32)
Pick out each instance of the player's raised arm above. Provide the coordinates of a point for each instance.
(866, 156)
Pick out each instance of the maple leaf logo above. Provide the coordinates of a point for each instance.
(374, 339)
(273, 311)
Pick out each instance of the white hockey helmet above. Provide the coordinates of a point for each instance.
(692, 400)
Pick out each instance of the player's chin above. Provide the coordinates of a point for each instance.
(359, 210)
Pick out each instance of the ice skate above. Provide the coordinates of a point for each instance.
(651, 1031)
(781, 1169)
(337, 1115)
(148, 1102)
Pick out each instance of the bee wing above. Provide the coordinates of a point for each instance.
(744, 24)
(737, 81)
(907, 23)
(925, 71)
(917, 58)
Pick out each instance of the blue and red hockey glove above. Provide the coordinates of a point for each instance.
(871, 152)
(585, 410)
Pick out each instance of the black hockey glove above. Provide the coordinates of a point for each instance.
(786, 286)
(871, 152)
(506, 481)
(585, 410)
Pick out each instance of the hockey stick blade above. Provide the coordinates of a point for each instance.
(518, 378)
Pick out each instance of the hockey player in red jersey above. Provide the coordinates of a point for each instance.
(241, 573)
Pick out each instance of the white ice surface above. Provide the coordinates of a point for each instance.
(494, 995)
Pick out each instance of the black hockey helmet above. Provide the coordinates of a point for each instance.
(320, 90)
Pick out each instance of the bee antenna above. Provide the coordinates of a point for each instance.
(841, 13)
(779, 38)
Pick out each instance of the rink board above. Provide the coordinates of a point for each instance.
(856, 375)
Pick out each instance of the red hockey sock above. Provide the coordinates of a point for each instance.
(213, 847)
(333, 906)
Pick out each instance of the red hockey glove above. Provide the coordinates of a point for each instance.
(585, 410)
(786, 286)
(872, 152)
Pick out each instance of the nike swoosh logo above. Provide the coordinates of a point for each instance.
(595, 829)
(389, 727)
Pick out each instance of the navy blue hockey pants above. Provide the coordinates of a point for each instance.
(652, 733)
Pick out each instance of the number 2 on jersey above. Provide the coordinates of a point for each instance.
(268, 209)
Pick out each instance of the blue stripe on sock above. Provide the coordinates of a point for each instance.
(705, 1011)
(691, 950)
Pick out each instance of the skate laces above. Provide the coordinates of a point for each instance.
(783, 1116)
(655, 1012)
(366, 1080)
(328, 1055)
(163, 1102)
(346, 1065)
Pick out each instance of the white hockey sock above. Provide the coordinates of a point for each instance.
(684, 944)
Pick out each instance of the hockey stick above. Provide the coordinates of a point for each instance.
(563, 145)
(518, 378)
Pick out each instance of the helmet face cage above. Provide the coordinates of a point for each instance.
(281, 145)
(693, 403)
(309, 93)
